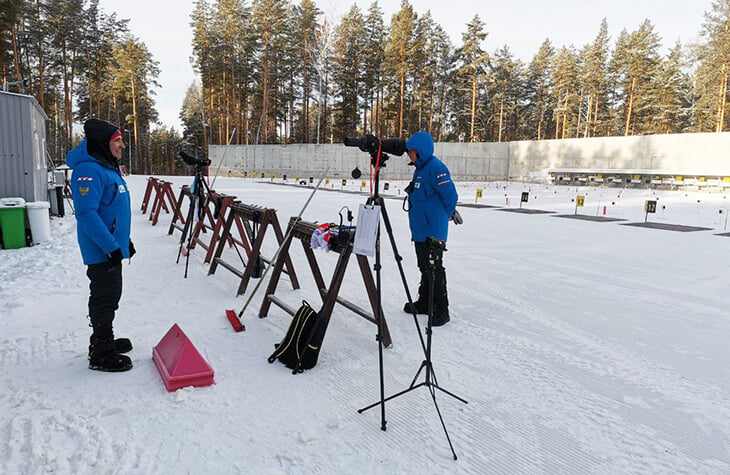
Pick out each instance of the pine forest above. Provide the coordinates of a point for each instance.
(282, 72)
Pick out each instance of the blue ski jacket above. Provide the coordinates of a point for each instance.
(101, 199)
(433, 199)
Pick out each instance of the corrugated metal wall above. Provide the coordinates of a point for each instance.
(23, 170)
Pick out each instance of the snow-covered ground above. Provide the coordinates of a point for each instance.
(582, 347)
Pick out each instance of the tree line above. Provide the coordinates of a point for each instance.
(283, 72)
(80, 62)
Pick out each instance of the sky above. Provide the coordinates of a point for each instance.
(164, 26)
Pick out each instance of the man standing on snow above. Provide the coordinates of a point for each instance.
(103, 218)
(432, 198)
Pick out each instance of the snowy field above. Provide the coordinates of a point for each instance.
(581, 347)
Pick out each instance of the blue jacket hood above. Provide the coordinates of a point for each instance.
(80, 154)
(421, 142)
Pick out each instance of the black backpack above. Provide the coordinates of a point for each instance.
(303, 332)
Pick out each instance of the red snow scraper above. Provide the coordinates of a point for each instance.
(230, 314)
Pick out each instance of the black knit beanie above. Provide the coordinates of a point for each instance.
(98, 134)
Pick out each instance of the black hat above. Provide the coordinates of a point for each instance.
(98, 134)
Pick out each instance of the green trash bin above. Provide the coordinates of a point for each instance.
(12, 221)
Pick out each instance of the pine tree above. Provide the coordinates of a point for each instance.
(305, 30)
(564, 73)
(508, 85)
(538, 88)
(269, 20)
(637, 58)
(474, 61)
(594, 80)
(135, 73)
(191, 116)
(671, 90)
(374, 56)
(398, 51)
(347, 74)
(713, 71)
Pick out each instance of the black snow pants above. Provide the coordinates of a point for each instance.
(106, 290)
(440, 295)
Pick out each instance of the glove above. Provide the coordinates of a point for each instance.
(457, 218)
(115, 257)
(132, 250)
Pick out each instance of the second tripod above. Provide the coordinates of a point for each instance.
(199, 192)
(436, 248)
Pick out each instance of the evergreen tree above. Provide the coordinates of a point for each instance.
(398, 51)
(191, 116)
(347, 74)
(564, 74)
(305, 31)
(374, 56)
(713, 70)
(538, 88)
(670, 99)
(473, 67)
(637, 59)
(134, 75)
(594, 81)
(508, 86)
(269, 20)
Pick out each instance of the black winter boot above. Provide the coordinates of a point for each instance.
(440, 316)
(104, 357)
(121, 345)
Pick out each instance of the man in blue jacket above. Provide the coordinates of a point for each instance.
(103, 218)
(432, 204)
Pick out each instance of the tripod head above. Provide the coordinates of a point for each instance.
(198, 163)
(371, 144)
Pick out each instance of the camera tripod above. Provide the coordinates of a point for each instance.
(435, 249)
(199, 192)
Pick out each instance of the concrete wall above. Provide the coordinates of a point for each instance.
(707, 153)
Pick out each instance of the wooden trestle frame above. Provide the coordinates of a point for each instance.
(342, 245)
(163, 192)
(214, 216)
(244, 216)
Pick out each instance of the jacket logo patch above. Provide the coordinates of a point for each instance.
(83, 190)
(85, 178)
(440, 176)
(417, 184)
(122, 189)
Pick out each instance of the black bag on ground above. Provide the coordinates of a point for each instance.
(302, 328)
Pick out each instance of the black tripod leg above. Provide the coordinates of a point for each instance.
(186, 228)
(398, 260)
(407, 390)
(450, 393)
(438, 411)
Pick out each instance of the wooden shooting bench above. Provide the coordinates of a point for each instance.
(342, 245)
(245, 216)
(164, 199)
(151, 185)
(212, 219)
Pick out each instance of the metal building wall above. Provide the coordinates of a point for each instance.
(23, 170)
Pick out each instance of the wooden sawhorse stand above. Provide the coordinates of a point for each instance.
(342, 245)
(208, 221)
(245, 215)
(163, 192)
